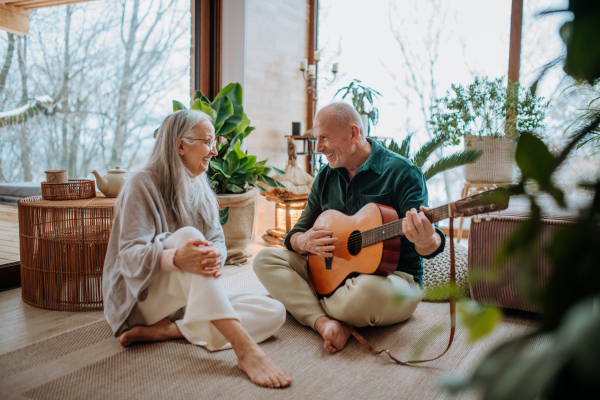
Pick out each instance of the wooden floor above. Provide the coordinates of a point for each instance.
(9, 234)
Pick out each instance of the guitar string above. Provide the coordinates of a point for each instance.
(372, 234)
(377, 234)
(438, 213)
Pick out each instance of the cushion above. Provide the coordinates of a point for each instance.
(436, 273)
(11, 193)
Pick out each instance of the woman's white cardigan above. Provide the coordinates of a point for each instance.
(135, 248)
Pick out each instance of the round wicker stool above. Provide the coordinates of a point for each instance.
(63, 245)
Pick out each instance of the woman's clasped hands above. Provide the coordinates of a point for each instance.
(200, 257)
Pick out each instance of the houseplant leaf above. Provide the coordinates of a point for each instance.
(201, 97)
(427, 149)
(278, 171)
(223, 214)
(262, 189)
(224, 110)
(234, 188)
(248, 131)
(405, 146)
(271, 182)
(217, 165)
(454, 160)
(233, 91)
(177, 105)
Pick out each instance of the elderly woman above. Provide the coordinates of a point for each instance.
(165, 253)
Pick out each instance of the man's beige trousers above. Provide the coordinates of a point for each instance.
(361, 301)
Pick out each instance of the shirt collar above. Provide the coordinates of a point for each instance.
(374, 162)
(376, 158)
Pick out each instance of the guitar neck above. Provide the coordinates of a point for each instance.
(394, 229)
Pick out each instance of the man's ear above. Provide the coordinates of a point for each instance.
(355, 133)
(181, 147)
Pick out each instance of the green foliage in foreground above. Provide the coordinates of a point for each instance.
(422, 155)
(569, 367)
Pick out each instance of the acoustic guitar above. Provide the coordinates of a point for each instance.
(369, 241)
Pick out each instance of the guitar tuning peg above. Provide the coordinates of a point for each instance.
(488, 217)
(476, 219)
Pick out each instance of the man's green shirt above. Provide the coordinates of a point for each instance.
(385, 178)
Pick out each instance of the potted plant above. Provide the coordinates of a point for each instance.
(233, 173)
(478, 113)
(421, 157)
(360, 96)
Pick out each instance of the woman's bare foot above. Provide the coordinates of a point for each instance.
(261, 369)
(160, 331)
(251, 359)
(334, 334)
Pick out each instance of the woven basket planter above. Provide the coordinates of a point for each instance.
(63, 245)
(496, 165)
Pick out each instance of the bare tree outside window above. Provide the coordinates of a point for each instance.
(413, 51)
(417, 80)
(98, 78)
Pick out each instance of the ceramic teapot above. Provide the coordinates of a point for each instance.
(111, 183)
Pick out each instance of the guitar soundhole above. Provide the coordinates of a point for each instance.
(355, 243)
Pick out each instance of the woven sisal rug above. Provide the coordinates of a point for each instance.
(88, 363)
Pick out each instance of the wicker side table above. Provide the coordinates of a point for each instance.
(63, 245)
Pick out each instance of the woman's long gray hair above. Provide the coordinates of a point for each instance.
(190, 203)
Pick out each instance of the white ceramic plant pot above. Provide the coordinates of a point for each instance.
(496, 165)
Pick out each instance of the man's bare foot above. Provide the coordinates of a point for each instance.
(334, 334)
(160, 331)
(261, 369)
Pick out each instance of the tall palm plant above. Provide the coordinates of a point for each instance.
(421, 156)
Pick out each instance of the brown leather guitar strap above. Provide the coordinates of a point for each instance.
(368, 346)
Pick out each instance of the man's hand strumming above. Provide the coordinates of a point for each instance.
(316, 240)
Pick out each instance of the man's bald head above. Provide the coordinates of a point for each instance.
(340, 115)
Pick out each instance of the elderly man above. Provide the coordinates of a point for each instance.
(360, 171)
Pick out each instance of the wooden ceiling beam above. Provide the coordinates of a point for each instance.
(14, 20)
(33, 4)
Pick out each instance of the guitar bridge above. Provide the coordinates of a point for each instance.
(327, 262)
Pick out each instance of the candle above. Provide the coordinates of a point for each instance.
(335, 68)
(304, 64)
(317, 55)
(311, 70)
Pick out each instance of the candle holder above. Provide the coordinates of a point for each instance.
(309, 73)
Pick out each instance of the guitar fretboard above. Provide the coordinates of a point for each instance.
(393, 229)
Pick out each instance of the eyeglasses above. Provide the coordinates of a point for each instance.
(209, 142)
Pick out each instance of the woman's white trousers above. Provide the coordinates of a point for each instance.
(206, 300)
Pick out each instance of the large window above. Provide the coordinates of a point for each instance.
(413, 51)
(89, 85)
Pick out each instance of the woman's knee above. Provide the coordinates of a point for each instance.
(278, 310)
(182, 235)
